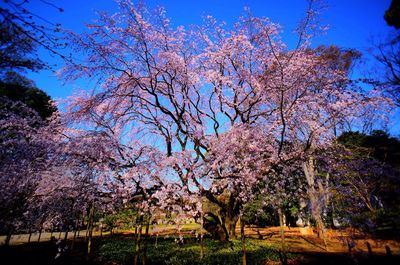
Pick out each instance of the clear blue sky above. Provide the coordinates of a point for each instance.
(352, 23)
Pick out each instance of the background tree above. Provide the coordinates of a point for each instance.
(26, 144)
(23, 32)
(388, 52)
(392, 15)
(16, 49)
(17, 88)
(366, 179)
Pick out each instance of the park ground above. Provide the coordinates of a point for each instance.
(262, 245)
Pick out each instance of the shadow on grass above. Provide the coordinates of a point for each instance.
(118, 249)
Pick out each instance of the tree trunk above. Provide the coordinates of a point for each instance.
(283, 251)
(146, 239)
(40, 235)
(315, 198)
(137, 245)
(90, 226)
(66, 235)
(8, 238)
(201, 236)
(243, 239)
(30, 235)
(230, 225)
(75, 231)
(87, 226)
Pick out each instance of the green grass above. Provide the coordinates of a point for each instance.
(165, 251)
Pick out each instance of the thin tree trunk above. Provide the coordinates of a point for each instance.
(30, 235)
(75, 232)
(201, 236)
(87, 227)
(74, 239)
(283, 257)
(78, 228)
(8, 238)
(146, 239)
(243, 238)
(90, 227)
(137, 245)
(66, 235)
(40, 235)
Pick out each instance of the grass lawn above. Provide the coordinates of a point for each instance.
(165, 250)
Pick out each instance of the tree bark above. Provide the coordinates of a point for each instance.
(146, 239)
(315, 197)
(40, 235)
(243, 239)
(137, 245)
(230, 226)
(90, 226)
(66, 234)
(201, 236)
(283, 256)
(76, 230)
(8, 238)
(30, 235)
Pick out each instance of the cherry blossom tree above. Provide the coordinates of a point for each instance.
(221, 103)
(26, 144)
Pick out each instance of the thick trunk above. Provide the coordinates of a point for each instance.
(221, 227)
(230, 226)
(315, 198)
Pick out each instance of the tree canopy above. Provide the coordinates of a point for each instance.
(392, 15)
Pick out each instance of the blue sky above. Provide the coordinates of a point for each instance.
(352, 23)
